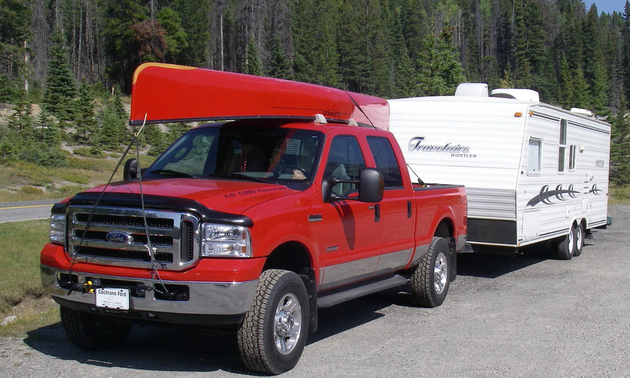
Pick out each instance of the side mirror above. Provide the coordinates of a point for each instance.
(130, 171)
(370, 183)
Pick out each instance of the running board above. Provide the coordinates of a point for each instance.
(371, 287)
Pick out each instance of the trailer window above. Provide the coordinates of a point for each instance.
(562, 145)
(572, 153)
(534, 156)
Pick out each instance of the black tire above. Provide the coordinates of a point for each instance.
(430, 281)
(565, 247)
(93, 331)
(578, 236)
(273, 334)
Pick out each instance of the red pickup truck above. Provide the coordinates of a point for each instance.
(284, 204)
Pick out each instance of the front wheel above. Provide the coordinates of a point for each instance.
(93, 331)
(273, 334)
(430, 281)
(565, 247)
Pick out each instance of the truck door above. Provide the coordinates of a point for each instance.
(349, 233)
(396, 209)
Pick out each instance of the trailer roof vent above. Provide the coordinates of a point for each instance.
(472, 90)
(516, 94)
(580, 111)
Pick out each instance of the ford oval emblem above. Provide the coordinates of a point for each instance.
(119, 237)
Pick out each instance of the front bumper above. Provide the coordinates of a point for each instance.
(209, 302)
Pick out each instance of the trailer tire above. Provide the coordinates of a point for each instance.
(93, 331)
(565, 246)
(430, 281)
(579, 239)
(273, 334)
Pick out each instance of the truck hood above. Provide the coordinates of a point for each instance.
(227, 196)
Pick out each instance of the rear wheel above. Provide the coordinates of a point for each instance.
(273, 334)
(430, 281)
(579, 239)
(93, 331)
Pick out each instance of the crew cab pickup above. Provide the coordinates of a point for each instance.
(290, 200)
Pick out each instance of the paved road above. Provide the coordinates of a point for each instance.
(515, 316)
(28, 210)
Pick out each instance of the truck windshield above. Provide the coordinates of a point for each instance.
(237, 152)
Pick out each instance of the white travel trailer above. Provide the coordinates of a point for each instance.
(533, 172)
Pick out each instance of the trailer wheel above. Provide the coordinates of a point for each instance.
(273, 334)
(579, 239)
(565, 247)
(430, 281)
(93, 331)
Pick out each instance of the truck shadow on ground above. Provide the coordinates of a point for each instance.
(185, 350)
(165, 349)
(148, 348)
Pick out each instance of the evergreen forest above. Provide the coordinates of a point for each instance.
(66, 65)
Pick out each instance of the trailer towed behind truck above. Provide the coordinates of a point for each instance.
(290, 200)
(533, 172)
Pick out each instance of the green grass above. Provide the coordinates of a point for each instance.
(21, 292)
(19, 271)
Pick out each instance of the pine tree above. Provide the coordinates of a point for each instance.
(567, 88)
(252, 65)
(440, 70)
(120, 45)
(620, 148)
(112, 124)
(15, 34)
(195, 21)
(60, 85)
(21, 120)
(84, 121)
(316, 59)
(581, 95)
(47, 130)
(176, 36)
(280, 67)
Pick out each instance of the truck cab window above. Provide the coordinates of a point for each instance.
(345, 160)
(386, 161)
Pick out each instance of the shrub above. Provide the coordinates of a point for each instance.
(31, 190)
(89, 152)
(77, 179)
(46, 157)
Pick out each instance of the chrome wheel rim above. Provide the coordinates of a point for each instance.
(440, 273)
(288, 323)
(579, 237)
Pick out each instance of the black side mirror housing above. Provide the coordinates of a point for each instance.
(130, 171)
(370, 183)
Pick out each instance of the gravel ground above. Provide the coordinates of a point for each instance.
(505, 316)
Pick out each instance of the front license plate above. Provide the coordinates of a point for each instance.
(114, 298)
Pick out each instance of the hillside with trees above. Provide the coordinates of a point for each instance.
(75, 58)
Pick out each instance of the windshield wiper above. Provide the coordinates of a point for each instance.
(170, 172)
(239, 176)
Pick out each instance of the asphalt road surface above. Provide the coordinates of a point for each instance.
(524, 315)
(28, 210)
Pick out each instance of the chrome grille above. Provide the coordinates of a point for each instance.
(174, 236)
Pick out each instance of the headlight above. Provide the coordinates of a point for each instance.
(220, 240)
(58, 228)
